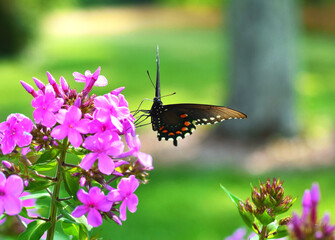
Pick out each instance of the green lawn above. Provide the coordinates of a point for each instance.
(184, 202)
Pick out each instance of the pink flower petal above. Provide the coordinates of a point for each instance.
(78, 77)
(14, 185)
(12, 205)
(23, 140)
(94, 218)
(133, 183)
(145, 159)
(83, 126)
(104, 205)
(96, 195)
(80, 211)
(123, 211)
(38, 114)
(75, 137)
(59, 132)
(60, 116)
(49, 119)
(1, 209)
(96, 73)
(105, 164)
(74, 114)
(7, 145)
(101, 82)
(2, 180)
(114, 196)
(132, 202)
(83, 197)
(101, 102)
(88, 161)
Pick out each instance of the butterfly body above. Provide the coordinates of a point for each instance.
(175, 121)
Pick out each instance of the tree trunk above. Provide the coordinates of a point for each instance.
(263, 68)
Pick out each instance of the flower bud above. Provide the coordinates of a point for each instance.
(25, 182)
(29, 88)
(64, 84)
(82, 181)
(8, 165)
(39, 84)
(53, 84)
(77, 103)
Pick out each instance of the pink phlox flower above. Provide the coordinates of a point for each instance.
(90, 79)
(307, 226)
(46, 104)
(110, 103)
(15, 131)
(125, 193)
(71, 125)
(103, 121)
(94, 201)
(134, 145)
(104, 147)
(10, 191)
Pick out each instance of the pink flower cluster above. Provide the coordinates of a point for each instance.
(307, 225)
(94, 124)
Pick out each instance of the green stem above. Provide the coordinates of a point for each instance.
(56, 190)
(263, 233)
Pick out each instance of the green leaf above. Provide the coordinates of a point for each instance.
(35, 196)
(24, 213)
(235, 199)
(280, 233)
(83, 232)
(39, 184)
(35, 230)
(70, 228)
(46, 166)
(71, 183)
(247, 217)
(47, 156)
(265, 218)
(66, 209)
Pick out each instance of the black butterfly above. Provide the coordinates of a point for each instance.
(175, 121)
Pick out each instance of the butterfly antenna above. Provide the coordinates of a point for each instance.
(171, 94)
(158, 89)
(150, 79)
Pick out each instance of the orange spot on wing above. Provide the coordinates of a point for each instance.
(178, 132)
(187, 123)
(171, 134)
(165, 131)
(184, 129)
(161, 128)
(183, 115)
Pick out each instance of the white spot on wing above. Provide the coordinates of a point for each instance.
(212, 118)
(218, 116)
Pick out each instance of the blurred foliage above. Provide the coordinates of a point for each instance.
(208, 3)
(19, 21)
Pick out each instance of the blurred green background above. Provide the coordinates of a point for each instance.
(183, 199)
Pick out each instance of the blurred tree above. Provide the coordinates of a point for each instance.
(263, 68)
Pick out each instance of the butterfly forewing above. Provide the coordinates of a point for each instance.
(178, 120)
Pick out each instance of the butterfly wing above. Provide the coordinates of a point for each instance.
(179, 120)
